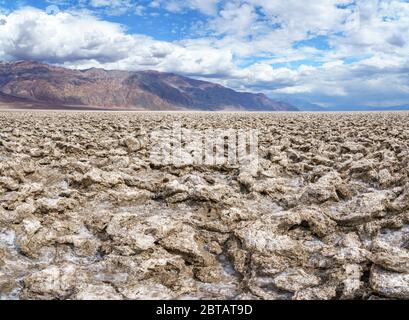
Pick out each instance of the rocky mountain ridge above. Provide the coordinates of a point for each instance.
(33, 82)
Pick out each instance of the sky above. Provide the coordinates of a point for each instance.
(331, 53)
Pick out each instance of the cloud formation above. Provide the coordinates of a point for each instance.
(329, 52)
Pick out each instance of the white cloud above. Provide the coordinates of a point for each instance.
(33, 34)
(235, 18)
(81, 40)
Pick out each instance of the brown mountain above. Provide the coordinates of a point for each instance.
(33, 84)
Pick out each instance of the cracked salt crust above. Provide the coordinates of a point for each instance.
(85, 214)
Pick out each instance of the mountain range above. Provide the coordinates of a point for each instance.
(30, 84)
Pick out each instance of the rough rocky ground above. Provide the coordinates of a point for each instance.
(84, 214)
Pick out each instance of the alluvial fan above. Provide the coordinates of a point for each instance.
(86, 211)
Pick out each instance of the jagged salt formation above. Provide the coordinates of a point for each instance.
(84, 214)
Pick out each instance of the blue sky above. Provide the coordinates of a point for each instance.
(327, 52)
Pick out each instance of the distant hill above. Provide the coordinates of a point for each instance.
(304, 105)
(360, 108)
(301, 104)
(33, 84)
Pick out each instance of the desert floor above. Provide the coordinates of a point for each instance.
(86, 214)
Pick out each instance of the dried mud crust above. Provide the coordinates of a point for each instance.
(84, 214)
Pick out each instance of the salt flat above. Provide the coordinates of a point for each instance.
(86, 213)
